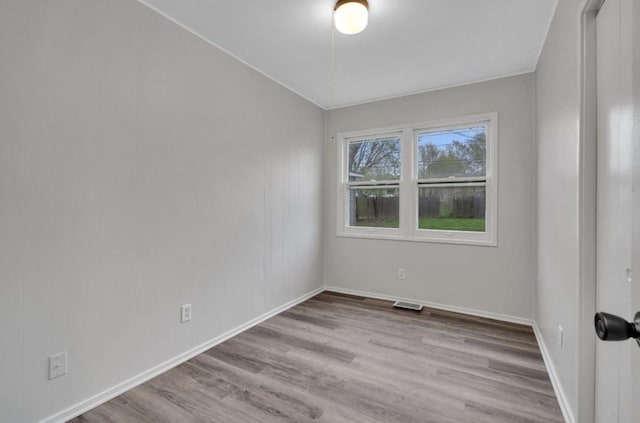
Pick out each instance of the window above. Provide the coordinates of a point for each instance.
(374, 181)
(433, 182)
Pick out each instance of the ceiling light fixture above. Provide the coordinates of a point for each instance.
(351, 16)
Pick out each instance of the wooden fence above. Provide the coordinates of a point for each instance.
(469, 207)
(378, 207)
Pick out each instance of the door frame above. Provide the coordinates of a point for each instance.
(586, 363)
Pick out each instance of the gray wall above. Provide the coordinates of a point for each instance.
(558, 141)
(140, 169)
(496, 280)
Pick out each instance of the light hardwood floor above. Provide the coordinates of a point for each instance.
(340, 358)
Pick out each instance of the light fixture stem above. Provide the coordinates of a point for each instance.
(333, 71)
(333, 59)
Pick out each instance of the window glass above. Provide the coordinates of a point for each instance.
(374, 207)
(452, 208)
(376, 159)
(460, 152)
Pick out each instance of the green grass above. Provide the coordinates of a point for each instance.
(442, 224)
(379, 223)
(452, 224)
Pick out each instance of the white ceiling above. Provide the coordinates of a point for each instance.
(409, 46)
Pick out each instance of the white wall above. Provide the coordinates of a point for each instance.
(140, 169)
(558, 140)
(496, 280)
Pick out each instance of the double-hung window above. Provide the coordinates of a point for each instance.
(433, 182)
(373, 183)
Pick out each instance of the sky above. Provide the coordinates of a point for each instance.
(444, 138)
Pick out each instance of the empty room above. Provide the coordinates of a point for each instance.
(333, 211)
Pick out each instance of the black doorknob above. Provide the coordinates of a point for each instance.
(614, 328)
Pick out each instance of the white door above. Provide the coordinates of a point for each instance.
(618, 237)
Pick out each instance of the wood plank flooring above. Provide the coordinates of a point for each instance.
(340, 358)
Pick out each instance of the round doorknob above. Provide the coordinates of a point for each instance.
(610, 327)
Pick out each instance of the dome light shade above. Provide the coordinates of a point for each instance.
(351, 16)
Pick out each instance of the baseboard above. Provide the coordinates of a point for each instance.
(553, 375)
(446, 307)
(106, 395)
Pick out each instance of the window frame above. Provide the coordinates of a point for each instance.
(409, 183)
(365, 231)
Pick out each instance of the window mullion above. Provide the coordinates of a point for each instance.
(407, 201)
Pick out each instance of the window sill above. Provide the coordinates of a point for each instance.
(440, 238)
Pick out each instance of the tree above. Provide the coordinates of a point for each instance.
(375, 160)
(458, 158)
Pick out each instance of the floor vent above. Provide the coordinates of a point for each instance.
(407, 306)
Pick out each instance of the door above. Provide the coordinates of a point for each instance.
(618, 238)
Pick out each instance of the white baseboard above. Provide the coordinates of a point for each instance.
(446, 307)
(114, 391)
(553, 375)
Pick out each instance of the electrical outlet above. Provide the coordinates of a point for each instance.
(57, 365)
(560, 336)
(401, 273)
(185, 313)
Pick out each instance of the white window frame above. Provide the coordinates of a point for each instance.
(409, 184)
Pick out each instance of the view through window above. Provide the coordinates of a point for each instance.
(421, 182)
(451, 179)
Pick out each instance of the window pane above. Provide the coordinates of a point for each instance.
(452, 209)
(376, 159)
(374, 207)
(452, 152)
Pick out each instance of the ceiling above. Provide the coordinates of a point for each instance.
(409, 46)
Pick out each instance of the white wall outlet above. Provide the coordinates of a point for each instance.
(185, 313)
(401, 273)
(57, 365)
(560, 336)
